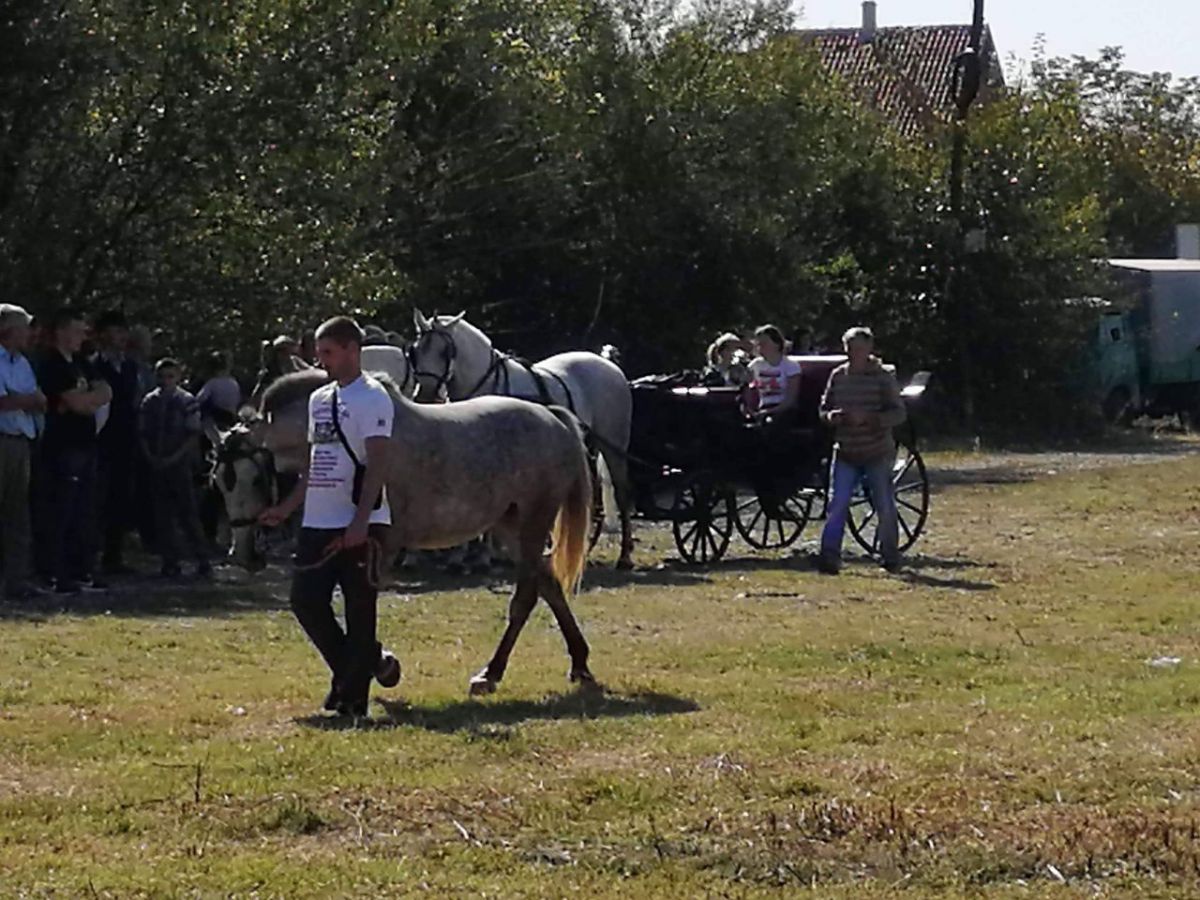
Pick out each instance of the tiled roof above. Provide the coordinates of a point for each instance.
(905, 73)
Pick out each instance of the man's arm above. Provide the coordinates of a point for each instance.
(894, 411)
(274, 515)
(30, 403)
(86, 402)
(831, 413)
(373, 478)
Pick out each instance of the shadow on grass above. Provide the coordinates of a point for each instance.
(149, 597)
(489, 718)
(958, 584)
(941, 479)
(923, 561)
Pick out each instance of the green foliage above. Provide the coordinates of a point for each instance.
(646, 172)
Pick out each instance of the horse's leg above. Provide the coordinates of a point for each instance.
(618, 470)
(521, 604)
(523, 600)
(577, 646)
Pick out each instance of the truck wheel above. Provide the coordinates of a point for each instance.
(1118, 409)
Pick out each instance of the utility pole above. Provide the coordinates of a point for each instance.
(967, 79)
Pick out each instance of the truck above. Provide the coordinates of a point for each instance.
(1146, 349)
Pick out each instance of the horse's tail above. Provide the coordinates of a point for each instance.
(573, 523)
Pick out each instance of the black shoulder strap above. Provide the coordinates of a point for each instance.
(337, 427)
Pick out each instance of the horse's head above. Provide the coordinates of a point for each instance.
(442, 345)
(244, 473)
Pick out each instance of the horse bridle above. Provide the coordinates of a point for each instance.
(229, 452)
(449, 355)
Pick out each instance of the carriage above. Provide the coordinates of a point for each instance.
(698, 463)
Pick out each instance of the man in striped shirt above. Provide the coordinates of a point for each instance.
(862, 402)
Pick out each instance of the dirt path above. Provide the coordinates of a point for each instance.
(991, 467)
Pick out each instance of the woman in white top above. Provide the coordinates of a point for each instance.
(775, 378)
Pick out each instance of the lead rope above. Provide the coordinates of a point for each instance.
(373, 563)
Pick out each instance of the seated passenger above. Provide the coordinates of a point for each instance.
(726, 363)
(775, 379)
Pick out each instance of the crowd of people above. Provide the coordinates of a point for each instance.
(100, 442)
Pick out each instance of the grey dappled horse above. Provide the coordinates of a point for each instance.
(455, 471)
(452, 354)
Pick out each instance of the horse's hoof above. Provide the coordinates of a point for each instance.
(624, 564)
(585, 679)
(481, 686)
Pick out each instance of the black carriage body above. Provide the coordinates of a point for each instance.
(682, 432)
(696, 461)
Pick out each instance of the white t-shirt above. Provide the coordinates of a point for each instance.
(771, 381)
(365, 410)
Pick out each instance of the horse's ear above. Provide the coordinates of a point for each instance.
(421, 322)
(451, 322)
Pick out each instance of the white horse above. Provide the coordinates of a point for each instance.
(451, 354)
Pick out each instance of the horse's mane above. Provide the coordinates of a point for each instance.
(297, 386)
(294, 386)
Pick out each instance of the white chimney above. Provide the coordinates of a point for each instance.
(869, 23)
(1187, 241)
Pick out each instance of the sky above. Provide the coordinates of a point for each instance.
(1157, 35)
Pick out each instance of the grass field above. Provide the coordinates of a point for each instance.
(989, 724)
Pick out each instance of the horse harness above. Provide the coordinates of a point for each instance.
(497, 372)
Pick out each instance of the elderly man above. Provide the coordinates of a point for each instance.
(862, 402)
(21, 408)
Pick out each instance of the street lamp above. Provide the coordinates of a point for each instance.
(967, 79)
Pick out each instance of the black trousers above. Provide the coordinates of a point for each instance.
(174, 494)
(70, 486)
(353, 654)
(115, 488)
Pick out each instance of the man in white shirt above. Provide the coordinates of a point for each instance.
(21, 406)
(345, 513)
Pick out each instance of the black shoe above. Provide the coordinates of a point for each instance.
(387, 670)
(826, 565)
(333, 700)
(894, 566)
(355, 709)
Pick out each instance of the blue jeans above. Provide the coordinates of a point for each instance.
(845, 479)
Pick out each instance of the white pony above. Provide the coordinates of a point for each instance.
(451, 354)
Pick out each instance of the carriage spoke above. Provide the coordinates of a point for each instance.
(687, 535)
(907, 531)
(700, 533)
(907, 505)
(910, 486)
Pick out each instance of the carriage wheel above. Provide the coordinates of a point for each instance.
(702, 521)
(911, 485)
(764, 532)
(597, 526)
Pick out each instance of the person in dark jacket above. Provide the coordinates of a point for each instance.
(117, 439)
